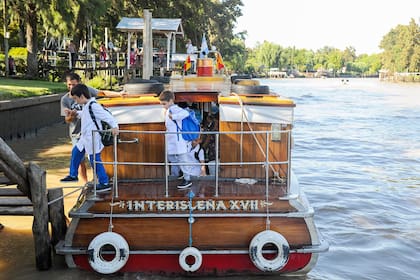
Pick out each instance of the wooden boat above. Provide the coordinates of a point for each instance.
(249, 217)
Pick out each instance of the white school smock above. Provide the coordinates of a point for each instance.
(195, 169)
(176, 143)
(85, 141)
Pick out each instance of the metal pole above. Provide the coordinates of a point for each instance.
(6, 38)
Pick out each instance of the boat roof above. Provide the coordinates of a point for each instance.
(159, 25)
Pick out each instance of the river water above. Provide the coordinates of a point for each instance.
(357, 155)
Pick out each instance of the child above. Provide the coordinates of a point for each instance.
(177, 146)
(80, 93)
(196, 155)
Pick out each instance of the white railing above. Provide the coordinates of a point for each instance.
(266, 162)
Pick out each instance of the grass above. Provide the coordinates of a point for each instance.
(16, 88)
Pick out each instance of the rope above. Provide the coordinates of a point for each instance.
(276, 174)
(111, 226)
(63, 196)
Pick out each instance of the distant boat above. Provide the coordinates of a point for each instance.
(345, 81)
(248, 216)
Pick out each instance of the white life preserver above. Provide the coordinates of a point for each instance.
(194, 252)
(256, 250)
(95, 251)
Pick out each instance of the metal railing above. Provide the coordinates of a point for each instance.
(166, 164)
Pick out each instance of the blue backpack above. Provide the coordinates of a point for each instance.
(189, 124)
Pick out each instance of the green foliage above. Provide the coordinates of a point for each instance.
(402, 48)
(18, 52)
(216, 18)
(100, 82)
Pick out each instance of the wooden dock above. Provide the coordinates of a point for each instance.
(23, 192)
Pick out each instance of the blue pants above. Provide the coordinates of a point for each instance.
(77, 156)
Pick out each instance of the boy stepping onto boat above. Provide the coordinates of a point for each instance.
(177, 146)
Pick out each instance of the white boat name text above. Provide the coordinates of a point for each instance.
(183, 205)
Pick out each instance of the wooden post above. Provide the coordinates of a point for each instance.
(147, 45)
(37, 182)
(13, 167)
(56, 214)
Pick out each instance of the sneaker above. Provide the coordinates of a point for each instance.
(69, 179)
(102, 188)
(181, 177)
(185, 184)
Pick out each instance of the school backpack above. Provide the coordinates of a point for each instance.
(106, 136)
(196, 154)
(189, 124)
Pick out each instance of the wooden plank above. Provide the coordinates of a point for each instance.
(208, 233)
(5, 181)
(11, 192)
(18, 201)
(16, 211)
(12, 160)
(150, 148)
(10, 173)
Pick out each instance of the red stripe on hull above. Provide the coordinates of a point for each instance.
(220, 265)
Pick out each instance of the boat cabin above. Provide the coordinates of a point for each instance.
(253, 132)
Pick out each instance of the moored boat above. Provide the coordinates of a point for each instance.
(247, 216)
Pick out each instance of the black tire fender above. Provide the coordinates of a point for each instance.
(238, 89)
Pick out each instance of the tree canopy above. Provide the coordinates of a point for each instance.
(32, 20)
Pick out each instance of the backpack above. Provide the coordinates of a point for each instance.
(189, 124)
(106, 136)
(196, 154)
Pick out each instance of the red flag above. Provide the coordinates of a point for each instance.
(219, 61)
(187, 64)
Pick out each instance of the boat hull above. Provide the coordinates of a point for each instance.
(212, 265)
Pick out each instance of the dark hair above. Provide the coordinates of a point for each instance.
(73, 76)
(80, 90)
(167, 95)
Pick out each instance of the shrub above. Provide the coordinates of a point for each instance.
(100, 82)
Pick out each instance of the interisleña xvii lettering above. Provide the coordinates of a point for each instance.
(197, 205)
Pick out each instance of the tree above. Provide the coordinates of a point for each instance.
(402, 48)
(268, 54)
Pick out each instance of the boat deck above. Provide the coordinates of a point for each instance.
(203, 188)
(153, 197)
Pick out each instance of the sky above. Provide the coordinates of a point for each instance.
(314, 24)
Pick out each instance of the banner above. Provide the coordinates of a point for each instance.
(219, 61)
(187, 64)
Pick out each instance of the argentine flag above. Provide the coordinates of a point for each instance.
(204, 48)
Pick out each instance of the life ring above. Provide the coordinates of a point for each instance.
(256, 250)
(119, 246)
(195, 253)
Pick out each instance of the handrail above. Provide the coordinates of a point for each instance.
(266, 163)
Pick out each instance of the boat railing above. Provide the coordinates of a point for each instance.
(266, 163)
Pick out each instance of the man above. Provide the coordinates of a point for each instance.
(68, 107)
